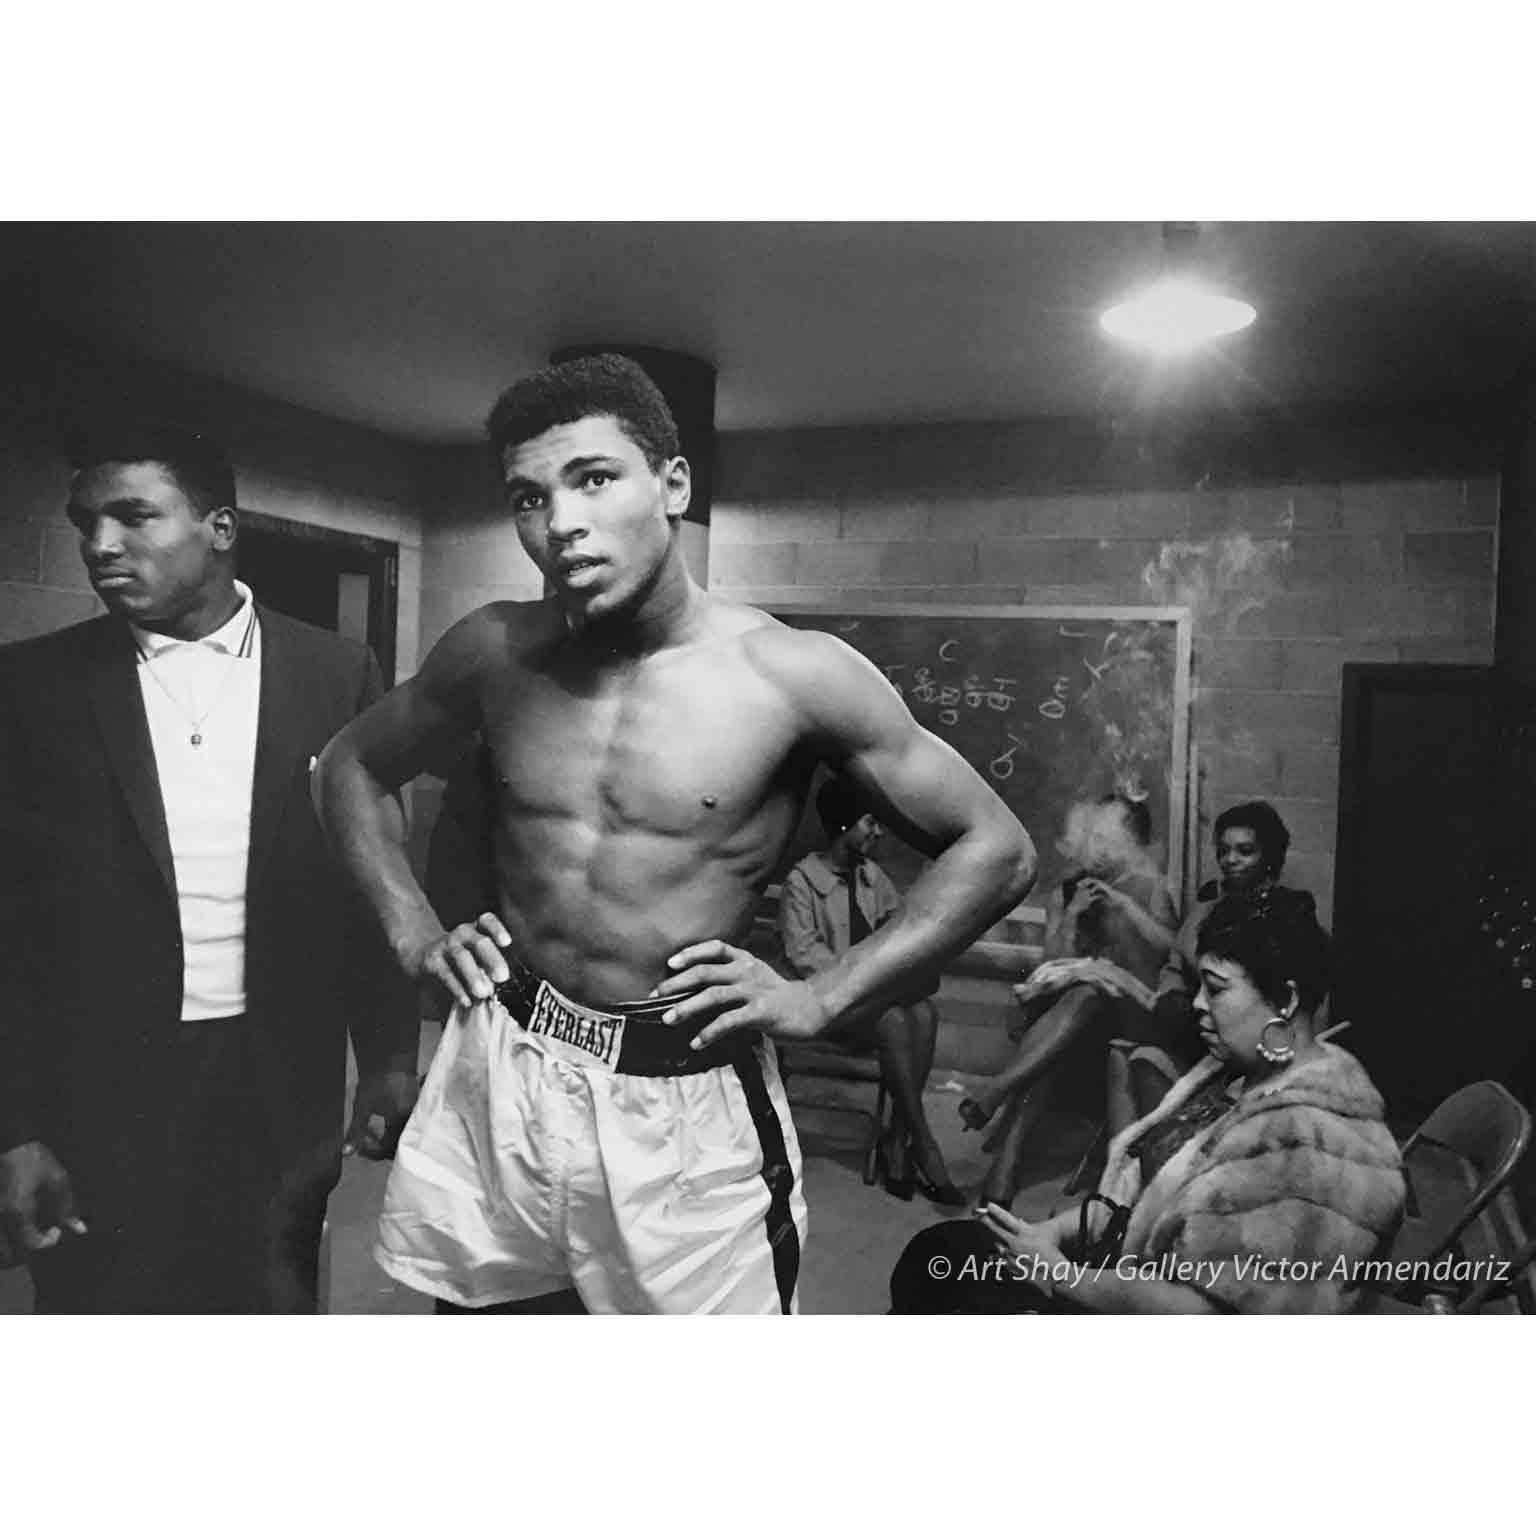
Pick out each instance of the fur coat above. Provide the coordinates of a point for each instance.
(1282, 1197)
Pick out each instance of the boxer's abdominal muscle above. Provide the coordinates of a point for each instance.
(638, 813)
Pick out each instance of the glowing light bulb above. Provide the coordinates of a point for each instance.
(1176, 315)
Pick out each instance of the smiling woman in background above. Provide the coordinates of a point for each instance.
(1251, 844)
(1260, 1184)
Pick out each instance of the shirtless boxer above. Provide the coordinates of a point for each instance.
(603, 1115)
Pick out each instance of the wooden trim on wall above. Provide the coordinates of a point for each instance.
(378, 559)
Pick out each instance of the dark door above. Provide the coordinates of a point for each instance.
(1414, 787)
(340, 581)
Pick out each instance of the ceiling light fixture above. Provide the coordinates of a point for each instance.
(1178, 312)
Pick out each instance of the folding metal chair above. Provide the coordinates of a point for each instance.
(1456, 1164)
(1517, 1283)
(838, 1063)
(827, 1059)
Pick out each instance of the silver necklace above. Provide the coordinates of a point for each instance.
(197, 722)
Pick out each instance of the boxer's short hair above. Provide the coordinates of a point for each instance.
(607, 384)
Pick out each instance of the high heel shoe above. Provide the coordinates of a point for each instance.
(940, 1194)
(921, 1155)
(902, 1184)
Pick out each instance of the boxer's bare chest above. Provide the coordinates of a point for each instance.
(685, 744)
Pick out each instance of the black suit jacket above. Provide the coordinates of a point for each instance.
(91, 970)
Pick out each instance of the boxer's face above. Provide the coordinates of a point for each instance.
(592, 514)
(150, 554)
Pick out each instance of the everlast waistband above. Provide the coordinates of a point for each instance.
(631, 1040)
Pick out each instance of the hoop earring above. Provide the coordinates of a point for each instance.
(1277, 1055)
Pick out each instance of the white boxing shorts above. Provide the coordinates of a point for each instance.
(556, 1146)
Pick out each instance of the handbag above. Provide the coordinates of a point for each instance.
(1103, 1248)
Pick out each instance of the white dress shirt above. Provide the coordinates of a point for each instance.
(207, 689)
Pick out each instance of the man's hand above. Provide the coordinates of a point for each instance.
(36, 1206)
(466, 964)
(380, 1108)
(739, 992)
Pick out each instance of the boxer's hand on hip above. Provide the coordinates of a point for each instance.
(37, 1207)
(737, 991)
(466, 962)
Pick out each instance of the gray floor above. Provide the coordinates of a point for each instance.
(856, 1232)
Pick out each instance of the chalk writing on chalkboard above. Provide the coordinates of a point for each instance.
(1049, 705)
(1123, 688)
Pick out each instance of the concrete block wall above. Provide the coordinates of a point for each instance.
(468, 561)
(42, 583)
(1286, 583)
(470, 556)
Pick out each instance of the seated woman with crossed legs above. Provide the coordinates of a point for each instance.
(830, 900)
(1109, 929)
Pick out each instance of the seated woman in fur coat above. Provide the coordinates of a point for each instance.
(1260, 1184)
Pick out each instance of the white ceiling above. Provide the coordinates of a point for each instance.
(413, 328)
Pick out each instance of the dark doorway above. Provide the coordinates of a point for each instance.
(341, 581)
(1414, 783)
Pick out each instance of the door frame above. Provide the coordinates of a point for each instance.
(378, 559)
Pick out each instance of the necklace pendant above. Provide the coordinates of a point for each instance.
(197, 738)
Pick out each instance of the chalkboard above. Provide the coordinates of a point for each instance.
(1049, 705)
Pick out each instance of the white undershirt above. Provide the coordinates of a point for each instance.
(206, 687)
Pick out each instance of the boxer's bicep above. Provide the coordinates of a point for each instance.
(427, 719)
(919, 785)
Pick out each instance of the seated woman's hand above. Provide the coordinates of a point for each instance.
(1102, 975)
(1115, 981)
(1026, 1239)
(1092, 889)
(1050, 976)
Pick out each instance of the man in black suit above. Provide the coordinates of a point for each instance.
(181, 958)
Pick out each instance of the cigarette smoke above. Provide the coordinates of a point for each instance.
(1095, 840)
